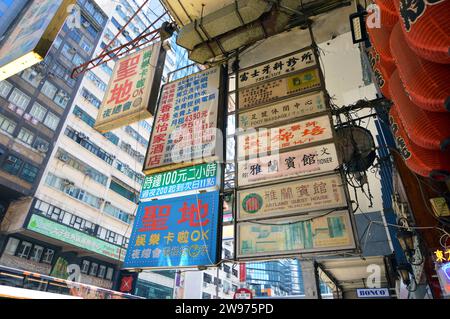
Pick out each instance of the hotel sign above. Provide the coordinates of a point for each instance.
(296, 235)
(313, 160)
(133, 89)
(272, 91)
(185, 126)
(277, 67)
(287, 136)
(282, 111)
(291, 198)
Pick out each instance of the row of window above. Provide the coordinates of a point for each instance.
(73, 191)
(90, 97)
(89, 120)
(18, 167)
(81, 139)
(117, 213)
(21, 100)
(108, 158)
(97, 270)
(124, 192)
(138, 137)
(27, 250)
(79, 223)
(82, 167)
(132, 152)
(97, 81)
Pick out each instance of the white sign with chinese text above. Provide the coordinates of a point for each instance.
(308, 161)
(278, 67)
(297, 134)
(186, 122)
(282, 111)
(291, 198)
(132, 87)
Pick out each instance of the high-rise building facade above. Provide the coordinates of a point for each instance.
(34, 106)
(9, 11)
(81, 204)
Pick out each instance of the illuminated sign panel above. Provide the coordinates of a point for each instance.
(31, 38)
(133, 89)
(182, 180)
(176, 232)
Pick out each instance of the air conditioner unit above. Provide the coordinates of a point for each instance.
(82, 135)
(68, 182)
(64, 158)
(86, 24)
(42, 148)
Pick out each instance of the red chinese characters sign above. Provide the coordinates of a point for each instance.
(297, 134)
(133, 86)
(186, 122)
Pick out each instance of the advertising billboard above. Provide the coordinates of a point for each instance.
(275, 90)
(281, 111)
(176, 232)
(303, 162)
(186, 122)
(301, 133)
(277, 67)
(133, 89)
(32, 36)
(290, 198)
(305, 234)
(74, 237)
(181, 180)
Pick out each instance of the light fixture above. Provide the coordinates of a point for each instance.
(358, 26)
(406, 240)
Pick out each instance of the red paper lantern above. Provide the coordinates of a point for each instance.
(427, 83)
(430, 130)
(427, 163)
(426, 26)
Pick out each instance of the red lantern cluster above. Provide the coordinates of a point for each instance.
(411, 51)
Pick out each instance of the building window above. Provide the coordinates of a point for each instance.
(7, 125)
(41, 145)
(5, 88)
(85, 266)
(124, 192)
(48, 256)
(94, 269)
(12, 245)
(102, 271)
(26, 136)
(57, 43)
(19, 99)
(62, 99)
(12, 165)
(24, 249)
(32, 76)
(49, 90)
(36, 253)
(117, 213)
(51, 121)
(29, 173)
(38, 112)
(109, 273)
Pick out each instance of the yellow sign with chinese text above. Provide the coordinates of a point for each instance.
(133, 89)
